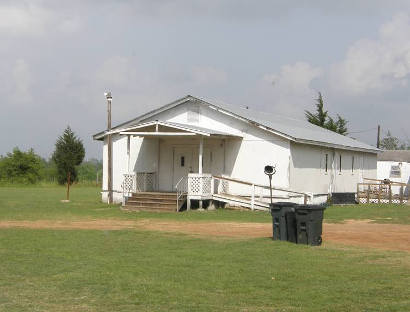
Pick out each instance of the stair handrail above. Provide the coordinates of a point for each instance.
(182, 189)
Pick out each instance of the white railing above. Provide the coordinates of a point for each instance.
(205, 186)
(182, 190)
(129, 186)
(256, 194)
(200, 186)
(145, 182)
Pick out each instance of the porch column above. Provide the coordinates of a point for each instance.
(201, 151)
(128, 152)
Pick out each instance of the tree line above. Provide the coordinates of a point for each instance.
(65, 166)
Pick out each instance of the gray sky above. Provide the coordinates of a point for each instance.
(58, 58)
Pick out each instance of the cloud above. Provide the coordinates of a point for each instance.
(34, 19)
(243, 10)
(376, 65)
(205, 75)
(23, 20)
(292, 87)
(21, 82)
(116, 71)
(70, 25)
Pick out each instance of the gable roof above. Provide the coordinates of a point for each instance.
(295, 130)
(394, 155)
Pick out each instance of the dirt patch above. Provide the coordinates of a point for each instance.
(70, 225)
(364, 233)
(210, 229)
(356, 233)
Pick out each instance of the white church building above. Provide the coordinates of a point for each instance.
(203, 150)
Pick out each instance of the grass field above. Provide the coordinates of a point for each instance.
(37, 203)
(133, 270)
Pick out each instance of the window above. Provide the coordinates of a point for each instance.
(352, 164)
(326, 162)
(182, 161)
(340, 163)
(395, 171)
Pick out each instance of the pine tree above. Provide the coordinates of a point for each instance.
(341, 125)
(322, 119)
(389, 142)
(319, 118)
(69, 153)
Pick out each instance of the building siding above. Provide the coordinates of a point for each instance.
(308, 169)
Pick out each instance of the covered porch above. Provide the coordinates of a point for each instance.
(174, 158)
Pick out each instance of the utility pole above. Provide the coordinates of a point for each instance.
(378, 136)
(109, 141)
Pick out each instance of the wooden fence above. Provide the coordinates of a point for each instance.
(383, 192)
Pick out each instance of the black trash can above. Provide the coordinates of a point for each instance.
(309, 219)
(283, 221)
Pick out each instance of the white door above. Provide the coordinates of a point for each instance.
(186, 161)
(182, 163)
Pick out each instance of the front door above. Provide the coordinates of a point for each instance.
(186, 161)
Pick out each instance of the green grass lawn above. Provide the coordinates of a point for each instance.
(46, 270)
(133, 270)
(36, 203)
(385, 213)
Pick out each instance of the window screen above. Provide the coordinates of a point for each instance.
(193, 114)
(395, 171)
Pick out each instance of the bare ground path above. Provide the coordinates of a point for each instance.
(357, 233)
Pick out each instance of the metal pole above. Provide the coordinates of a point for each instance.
(109, 139)
(270, 188)
(378, 136)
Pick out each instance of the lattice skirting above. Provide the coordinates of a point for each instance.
(145, 182)
(382, 201)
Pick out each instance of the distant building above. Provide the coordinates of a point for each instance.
(201, 140)
(395, 166)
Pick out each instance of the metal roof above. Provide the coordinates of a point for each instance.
(394, 155)
(296, 130)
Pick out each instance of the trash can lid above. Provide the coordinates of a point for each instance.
(283, 204)
(311, 207)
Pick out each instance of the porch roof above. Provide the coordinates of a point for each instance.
(152, 129)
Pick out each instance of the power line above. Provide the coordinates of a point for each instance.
(361, 131)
